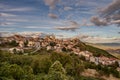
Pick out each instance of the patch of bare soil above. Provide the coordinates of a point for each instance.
(94, 73)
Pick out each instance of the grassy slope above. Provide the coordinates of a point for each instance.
(116, 55)
(95, 50)
(43, 54)
(104, 47)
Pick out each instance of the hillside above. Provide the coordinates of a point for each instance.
(73, 58)
(96, 51)
(14, 41)
(112, 48)
(37, 67)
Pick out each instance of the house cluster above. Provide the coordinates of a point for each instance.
(16, 50)
(58, 45)
(98, 60)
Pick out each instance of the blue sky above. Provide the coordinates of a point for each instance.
(61, 17)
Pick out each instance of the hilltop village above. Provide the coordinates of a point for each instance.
(48, 43)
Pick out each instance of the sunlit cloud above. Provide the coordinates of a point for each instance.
(51, 3)
(111, 14)
(51, 15)
(66, 8)
(71, 26)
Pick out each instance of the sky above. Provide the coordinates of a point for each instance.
(94, 21)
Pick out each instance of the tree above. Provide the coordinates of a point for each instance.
(52, 44)
(16, 72)
(64, 49)
(57, 72)
(41, 65)
(13, 43)
(13, 71)
(57, 67)
(14, 51)
(28, 73)
(26, 43)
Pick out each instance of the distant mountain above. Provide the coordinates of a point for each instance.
(24, 34)
(109, 44)
(106, 46)
(114, 51)
(6, 34)
(32, 34)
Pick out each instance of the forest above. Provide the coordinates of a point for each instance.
(49, 65)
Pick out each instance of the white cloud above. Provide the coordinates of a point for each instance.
(19, 9)
(7, 15)
(35, 27)
(67, 8)
(115, 22)
(17, 20)
(9, 8)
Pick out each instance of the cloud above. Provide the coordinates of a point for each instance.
(9, 8)
(111, 12)
(118, 32)
(6, 23)
(85, 23)
(20, 9)
(54, 16)
(74, 23)
(84, 36)
(66, 28)
(6, 29)
(111, 8)
(72, 26)
(16, 20)
(116, 22)
(51, 3)
(33, 27)
(60, 35)
(99, 22)
(67, 8)
(69, 16)
(7, 15)
(98, 39)
(115, 16)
